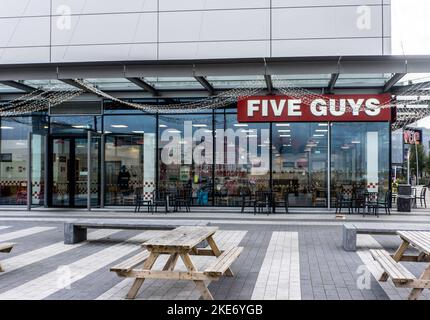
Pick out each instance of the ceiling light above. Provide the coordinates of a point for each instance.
(240, 125)
(200, 125)
(319, 135)
(355, 141)
(282, 124)
(322, 124)
(174, 131)
(285, 135)
(119, 126)
(6, 127)
(79, 126)
(162, 126)
(137, 131)
(321, 130)
(284, 130)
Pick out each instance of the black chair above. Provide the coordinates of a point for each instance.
(281, 202)
(359, 200)
(247, 200)
(182, 199)
(371, 203)
(160, 199)
(414, 197)
(140, 200)
(343, 200)
(262, 202)
(421, 197)
(385, 202)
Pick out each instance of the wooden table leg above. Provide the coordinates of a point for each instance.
(200, 284)
(397, 257)
(217, 253)
(139, 281)
(170, 264)
(417, 291)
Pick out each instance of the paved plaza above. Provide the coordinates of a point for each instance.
(286, 257)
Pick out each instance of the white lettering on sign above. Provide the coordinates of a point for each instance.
(278, 108)
(294, 108)
(372, 107)
(319, 107)
(253, 105)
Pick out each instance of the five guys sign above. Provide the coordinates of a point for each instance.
(353, 107)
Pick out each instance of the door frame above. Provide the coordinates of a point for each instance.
(71, 170)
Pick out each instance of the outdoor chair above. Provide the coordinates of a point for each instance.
(385, 202)
(160, 199)
(140, 200)
(421, 197)
(281, 202)
(262, 202)
(182, 198)
(343, 200)
(371, 204)
(359, 200)
(247, 200)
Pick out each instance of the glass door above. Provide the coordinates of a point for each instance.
(69, 171)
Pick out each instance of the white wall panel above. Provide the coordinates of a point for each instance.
(24, 8)
(387, 21)
(324, 22)
(326, 47)
(16, 32)
(107, 29)
(215, 25)
(319, 3)
(104, 53)
(104, 6)
(214, 50)
(177, 5)
(24, 55)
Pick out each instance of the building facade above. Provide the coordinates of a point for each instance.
(103, 149)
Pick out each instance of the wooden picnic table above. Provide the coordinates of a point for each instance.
(6, 248)
(401, 277)
(181, 242)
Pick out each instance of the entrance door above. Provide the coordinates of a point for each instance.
(68, 171)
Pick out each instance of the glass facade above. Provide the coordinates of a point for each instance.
(208, 153)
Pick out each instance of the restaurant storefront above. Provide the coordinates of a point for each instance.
(308, 148)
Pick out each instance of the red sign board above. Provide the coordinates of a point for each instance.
(353, 107)
(411, 136)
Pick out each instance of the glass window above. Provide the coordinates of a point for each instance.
(75, 124)
(360, 156)
(129, 158)
(13, 159)
(186, 155)
(299, 163)
(242, 159)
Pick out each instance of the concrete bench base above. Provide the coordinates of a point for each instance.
(76, 231)
(350, 231)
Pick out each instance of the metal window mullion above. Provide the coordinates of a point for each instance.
(102, 170)
(29, 169)
(89, 171)
(329, 167)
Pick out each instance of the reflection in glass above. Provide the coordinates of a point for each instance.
(299, 163)
(360, 156)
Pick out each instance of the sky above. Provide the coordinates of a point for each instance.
(410, 32)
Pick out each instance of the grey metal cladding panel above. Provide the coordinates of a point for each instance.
(217, 25)
(107, 29)
(114, 52)
(103, 6)
(24, 8)
(326, 22)
(326, 3)
(178, 5)
(27, 31)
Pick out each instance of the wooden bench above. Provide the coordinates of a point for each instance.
(75, 231)
(5, 248)
(398, 273)
(223, 262)
(130, 263)
(350, 231)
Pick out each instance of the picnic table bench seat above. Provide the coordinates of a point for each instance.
(223, 262)
(5, 248)
(397, 272)
(131, 263)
